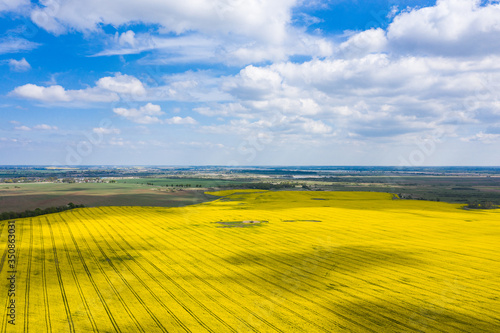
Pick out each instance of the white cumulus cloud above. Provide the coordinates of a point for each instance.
(19, 65)
(13, 5)
(377, 96)
(316, 127)
(147, 114)
(261, 19)
(47, 94)
(432, 68)
(122, 84)
(15, 44)
(483, 137)
(180, 121)
(41, 127)
(107, 89)
(104, 130)
(213, 31)
(56, 93)
(127, 38)
(45, 127)
(451, 27)
(365, 42)
(456, 28)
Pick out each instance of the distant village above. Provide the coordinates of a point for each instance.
(79, 180)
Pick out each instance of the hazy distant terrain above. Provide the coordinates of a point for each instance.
(24, 188)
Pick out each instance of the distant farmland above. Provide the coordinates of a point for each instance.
(19, 197)
(257, 261)
(181, 182)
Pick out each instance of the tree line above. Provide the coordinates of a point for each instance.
(481, 205)
(173, 185)
(269, 186)
(37, 212)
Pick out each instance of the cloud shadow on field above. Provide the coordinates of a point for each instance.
(325, 274)
(386, 293)
(390, 316)
(322, 262)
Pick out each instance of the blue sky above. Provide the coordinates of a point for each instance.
(250, 82)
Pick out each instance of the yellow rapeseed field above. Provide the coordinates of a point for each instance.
(255, 261)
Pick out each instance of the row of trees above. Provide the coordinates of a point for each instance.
(481, 205)
(14, 180)
(183, 185)
(176, 185)
(269, 186)
(37, 212)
